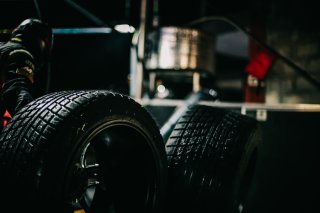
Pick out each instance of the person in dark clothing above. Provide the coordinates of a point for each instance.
(22, 58)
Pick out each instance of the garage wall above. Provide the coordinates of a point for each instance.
(292, 29)
(90, 61)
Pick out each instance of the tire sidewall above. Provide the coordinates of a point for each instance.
(70, 138)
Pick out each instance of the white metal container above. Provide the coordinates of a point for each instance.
(180, 49)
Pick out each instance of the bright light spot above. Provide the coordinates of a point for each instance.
(212, 92)
(124, 28)
(162, 92)
(240, 208)
(161, 89)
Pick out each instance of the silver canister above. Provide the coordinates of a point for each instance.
(180, 49)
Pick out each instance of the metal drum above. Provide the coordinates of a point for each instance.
(180, 49)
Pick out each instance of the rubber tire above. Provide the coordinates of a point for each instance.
(43, 140)
(211, 157)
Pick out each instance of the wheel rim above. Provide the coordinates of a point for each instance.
(113, 171)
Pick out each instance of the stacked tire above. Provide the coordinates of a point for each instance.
(82, 151)
(211, 158)
(98, 151)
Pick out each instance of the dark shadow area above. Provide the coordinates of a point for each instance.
(91, 61)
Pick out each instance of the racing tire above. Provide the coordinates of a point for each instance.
(82, 151)
(211, 159)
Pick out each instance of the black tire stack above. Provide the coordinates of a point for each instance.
(208, 160)
(41, 147)
(211, 155)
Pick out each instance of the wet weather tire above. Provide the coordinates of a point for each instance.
(211, 156)
(95, 151)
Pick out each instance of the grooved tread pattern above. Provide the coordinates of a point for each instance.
(204, 151)
(37, 121)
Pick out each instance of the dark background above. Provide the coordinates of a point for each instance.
(262, 18)
(286, 178)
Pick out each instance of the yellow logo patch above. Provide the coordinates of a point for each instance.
(25, 71)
